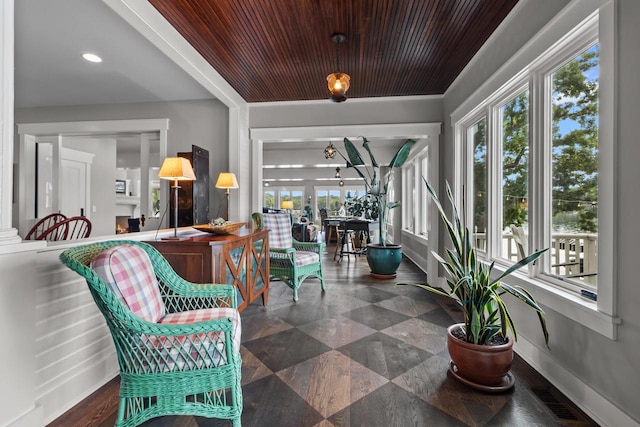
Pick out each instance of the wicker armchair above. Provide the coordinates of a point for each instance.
(290, 260)
(177, 343)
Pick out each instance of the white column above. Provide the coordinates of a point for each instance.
(8, 235)
(240, 163)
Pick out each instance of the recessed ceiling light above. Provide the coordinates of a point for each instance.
(91, 57)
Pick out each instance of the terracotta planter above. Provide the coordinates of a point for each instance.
(482, 366)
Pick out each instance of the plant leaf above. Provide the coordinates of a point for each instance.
(353, 154)
(524, 261)
(402, 154)
(365, 144)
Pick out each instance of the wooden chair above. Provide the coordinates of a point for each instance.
(177, 343)
(76, 227)
(43, 225)
(289, 260)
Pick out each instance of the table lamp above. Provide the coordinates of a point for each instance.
(176, 169)
(227, 180)
(287, 205)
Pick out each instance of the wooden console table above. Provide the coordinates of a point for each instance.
(241, 258)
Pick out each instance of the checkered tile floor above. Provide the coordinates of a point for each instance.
(364, 353)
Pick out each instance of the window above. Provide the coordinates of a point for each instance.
(477, 135)
(574, 166)
(322, 197)
(294, 196)
(331, 198)
(269, 199)
(571, 82)
(423, 215)
(408, 178)
(514, 142)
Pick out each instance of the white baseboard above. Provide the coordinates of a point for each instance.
(30, 419)
(590, 401)
(73, 390)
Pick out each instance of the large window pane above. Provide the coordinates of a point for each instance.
(321, 199)
(334, 202)
(514, 117)
(574, 157)
(296, 196)
(477, 135)
(270, 199)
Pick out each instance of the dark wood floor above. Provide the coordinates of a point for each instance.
(364, 353)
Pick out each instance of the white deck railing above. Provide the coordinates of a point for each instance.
(573, 255)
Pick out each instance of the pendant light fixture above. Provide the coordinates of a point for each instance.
(337, 173)
(330, 151)
(338, 82)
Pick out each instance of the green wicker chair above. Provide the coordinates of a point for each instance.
(290, 260)
(179, 354)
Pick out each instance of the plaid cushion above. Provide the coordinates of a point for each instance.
(306, 258)
(178, 353)
(279, 226)
(128, 271)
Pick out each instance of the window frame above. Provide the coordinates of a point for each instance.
(544, 53)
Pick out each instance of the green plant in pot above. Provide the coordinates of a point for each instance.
(383, 258)
(480, 348)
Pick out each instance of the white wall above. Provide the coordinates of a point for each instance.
(203, 123)
(592, 369)
(419, 109)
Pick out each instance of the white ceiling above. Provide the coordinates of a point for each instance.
(49, 70)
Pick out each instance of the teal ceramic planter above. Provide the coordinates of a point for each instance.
(384, 260)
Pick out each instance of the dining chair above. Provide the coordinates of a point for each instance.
(43, 225)
(75, 227)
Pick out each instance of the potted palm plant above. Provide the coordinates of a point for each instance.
(383, 258)
(480, 348)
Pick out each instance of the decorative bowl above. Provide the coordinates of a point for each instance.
(220, 229)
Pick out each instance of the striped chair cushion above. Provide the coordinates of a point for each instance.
(178, 353)
(279, 226)
(306, 258)
(128, 271)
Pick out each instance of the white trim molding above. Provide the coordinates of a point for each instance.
(586, 398)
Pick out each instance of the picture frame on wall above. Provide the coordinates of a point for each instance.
(121, 186)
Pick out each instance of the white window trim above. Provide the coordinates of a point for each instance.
(598, 316)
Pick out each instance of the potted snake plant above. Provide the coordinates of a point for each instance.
(480, 347)
(383, 257)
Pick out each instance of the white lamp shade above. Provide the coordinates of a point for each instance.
(227, 180)
(176, 169)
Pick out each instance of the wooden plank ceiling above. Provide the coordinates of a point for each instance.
(281, 50)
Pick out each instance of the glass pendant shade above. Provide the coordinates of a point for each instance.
(338, 84)
(329, 151)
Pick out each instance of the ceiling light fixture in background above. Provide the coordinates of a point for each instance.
(338, 82)
(330, 151)
(337, 173)
(341, 183)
